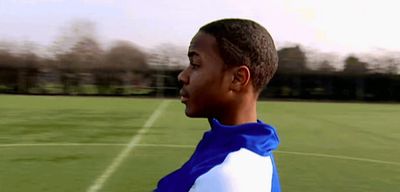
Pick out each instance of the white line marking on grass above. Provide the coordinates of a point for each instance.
(99, 182)
(339, 157)
(60, 144)
(192, 146)
(90, 144)
(166, 145)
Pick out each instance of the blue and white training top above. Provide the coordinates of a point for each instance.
(229, 159)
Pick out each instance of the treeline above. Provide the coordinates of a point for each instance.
(79, 65)
(376, 79)
(335, 86)
(123, 69)
(84, 69)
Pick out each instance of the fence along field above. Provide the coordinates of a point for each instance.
(66, 143)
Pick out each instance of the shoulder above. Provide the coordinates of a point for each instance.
(241, 170)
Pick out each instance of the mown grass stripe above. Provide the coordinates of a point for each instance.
(192, 146)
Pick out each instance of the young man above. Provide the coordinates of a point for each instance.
(231, 60)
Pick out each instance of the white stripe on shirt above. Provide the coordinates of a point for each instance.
(241, 171)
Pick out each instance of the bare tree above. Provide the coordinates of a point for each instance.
(163, 58)
(352, 65)
(168, 56)
(77, 52)
(73, 33)
(125, 56)
(326, 67)
(292, 60)
(124, 66)
(322, 62)
(383, 61)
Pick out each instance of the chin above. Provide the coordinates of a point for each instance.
(189, 114)
(193, 113)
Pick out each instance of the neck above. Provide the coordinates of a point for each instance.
(245, 111)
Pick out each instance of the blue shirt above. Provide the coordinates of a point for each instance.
(225, 159)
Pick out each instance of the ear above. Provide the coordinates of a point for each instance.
(240, 78)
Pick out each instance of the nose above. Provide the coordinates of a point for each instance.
(183, 77)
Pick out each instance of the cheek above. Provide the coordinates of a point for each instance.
(204, 84)
(207, 93)
(203, 90)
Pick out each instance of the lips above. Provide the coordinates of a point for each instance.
(184, 95)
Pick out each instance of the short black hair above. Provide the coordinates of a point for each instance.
(242, 41)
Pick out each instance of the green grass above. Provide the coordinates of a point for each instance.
(366, 131)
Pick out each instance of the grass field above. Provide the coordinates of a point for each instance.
(67, 143)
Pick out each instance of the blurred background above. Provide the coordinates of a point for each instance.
(328, 50)
(132, 51)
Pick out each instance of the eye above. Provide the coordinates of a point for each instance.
(194, 66)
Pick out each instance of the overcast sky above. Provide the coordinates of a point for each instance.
(343, 26)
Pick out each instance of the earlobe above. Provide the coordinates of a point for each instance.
(241, 78)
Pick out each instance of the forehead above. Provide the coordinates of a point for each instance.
(203, 43)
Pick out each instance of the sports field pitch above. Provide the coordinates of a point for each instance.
(90, 144)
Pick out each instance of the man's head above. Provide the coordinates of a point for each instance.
(245, 42)
(230, 59)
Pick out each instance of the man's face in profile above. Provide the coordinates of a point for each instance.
(204, 81)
